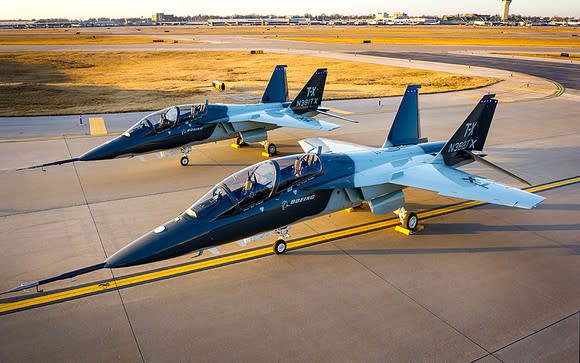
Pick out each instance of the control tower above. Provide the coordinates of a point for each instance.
(506, 10)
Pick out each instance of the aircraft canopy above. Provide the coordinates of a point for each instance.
(251, 186)
(169, 118)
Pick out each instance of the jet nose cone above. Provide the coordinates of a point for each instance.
(169, 240)
(111, 149)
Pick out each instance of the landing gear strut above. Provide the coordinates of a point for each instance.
(409, 220)
(270, 149)
(280, 244)
(184, 161)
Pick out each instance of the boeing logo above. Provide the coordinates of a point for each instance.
(287, 204)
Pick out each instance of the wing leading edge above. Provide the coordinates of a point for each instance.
(283, 119)
(327, 145)
(459, 184)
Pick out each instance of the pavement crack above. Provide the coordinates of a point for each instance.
(105, 253)
(529, 335)
(415, 301)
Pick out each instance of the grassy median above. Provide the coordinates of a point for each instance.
(42, 83)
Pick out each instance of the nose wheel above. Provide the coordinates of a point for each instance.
(280, 245)
(184, 161)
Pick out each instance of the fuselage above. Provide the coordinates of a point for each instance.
(184, 126)
(286, 190)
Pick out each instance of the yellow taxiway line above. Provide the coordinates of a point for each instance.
(24, 303)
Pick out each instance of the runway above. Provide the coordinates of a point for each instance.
(480, 283)
(564, 73)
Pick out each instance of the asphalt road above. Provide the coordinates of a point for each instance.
(566, 74)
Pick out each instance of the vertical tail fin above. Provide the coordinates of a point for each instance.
(406, 128)
(471, 134)
(311, 95)
(277, 89)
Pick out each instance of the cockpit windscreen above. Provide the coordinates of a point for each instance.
(169, 118)
(251, 186)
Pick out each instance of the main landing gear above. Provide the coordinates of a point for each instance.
(240, 142)
(184, 161)
(270, 149)
(280, 244)
(409, 220)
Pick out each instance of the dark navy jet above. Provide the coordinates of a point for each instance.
(330, 176)
(180, 127)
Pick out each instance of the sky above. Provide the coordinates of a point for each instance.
(78, 9)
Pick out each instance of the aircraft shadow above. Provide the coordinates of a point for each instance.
(472, 228)
(543, 206)
(575, 250)
(217, 166)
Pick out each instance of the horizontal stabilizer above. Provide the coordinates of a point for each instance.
(326, 113)
(478, 158)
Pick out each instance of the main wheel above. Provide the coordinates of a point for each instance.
(240, 141)
(280, 246)
(411, 221)
(184, 160)
(272, 149)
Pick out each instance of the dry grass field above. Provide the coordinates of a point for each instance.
(72, 37)
(436, 35)
(92, 82)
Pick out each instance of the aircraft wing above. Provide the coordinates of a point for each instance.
(284, 119)
(458, 184)
(328, 146)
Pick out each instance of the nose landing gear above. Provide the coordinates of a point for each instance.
(184, 161)
(280, 244)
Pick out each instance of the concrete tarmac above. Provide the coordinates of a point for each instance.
(487, 283)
